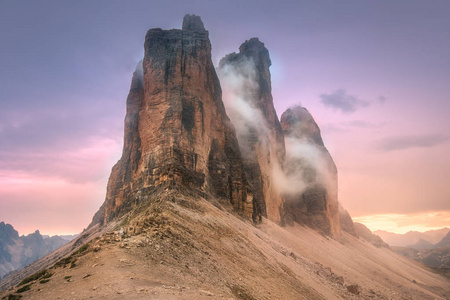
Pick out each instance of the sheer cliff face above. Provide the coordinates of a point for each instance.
(310, 164)
(177, 133)
(245, 77)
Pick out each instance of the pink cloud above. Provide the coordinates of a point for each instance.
(64, 195)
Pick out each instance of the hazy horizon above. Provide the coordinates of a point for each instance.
(373, 75)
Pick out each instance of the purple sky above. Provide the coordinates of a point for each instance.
(374, 74)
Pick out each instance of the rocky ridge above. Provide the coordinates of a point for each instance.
(178, 135)
(194, 219)
(368, 236)
(18, 251)
(188, 247)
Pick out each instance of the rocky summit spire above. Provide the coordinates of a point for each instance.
(177, 134)
(310, 163)
(246, 78)
(192, 22)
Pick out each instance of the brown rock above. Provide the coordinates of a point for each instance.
(368, 236)
(259, 132)
(354, 289)
(316, 205)
(347, 224)
(177, 134)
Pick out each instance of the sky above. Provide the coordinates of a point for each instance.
(375, 75)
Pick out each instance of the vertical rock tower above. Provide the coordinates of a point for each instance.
(177, 134)
(317, 204)
(258, 129)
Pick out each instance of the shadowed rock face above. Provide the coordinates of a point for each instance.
(346, 221)
(316, 205)
(177, 134)
(368, 236)
(260, 135)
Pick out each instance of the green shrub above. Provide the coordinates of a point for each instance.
(12, 297)
(63, 262)
(42, 281)
(34, 277)
(48, 275)
(24, 288)
(82, 249)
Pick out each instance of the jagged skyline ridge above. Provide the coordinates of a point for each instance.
(77, 184)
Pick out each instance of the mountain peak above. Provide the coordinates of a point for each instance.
(256, 48)
(444, 242)
(297, 121)
(193, 23)
(177, 134)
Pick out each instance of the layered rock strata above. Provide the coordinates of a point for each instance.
(246, 78)
(177, 134)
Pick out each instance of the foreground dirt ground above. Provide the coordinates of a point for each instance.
(182, 247)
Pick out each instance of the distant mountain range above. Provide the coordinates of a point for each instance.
(435, 257)
(431, 248)
(415, 239)
(18, 251)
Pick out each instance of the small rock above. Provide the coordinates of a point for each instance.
(354, 289)
(340, 280)
(207, 293)
(327, 271)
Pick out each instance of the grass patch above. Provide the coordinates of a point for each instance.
(34, 277)
(70, 260)
(67, 277)
(81, 249)
(63, 262)
(12, 297)
(48, 275)
(24, 288)
(73, 264)
(42, 281)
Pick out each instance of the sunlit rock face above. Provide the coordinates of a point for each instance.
(245, 77)
(177, 134)
(315, 204)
